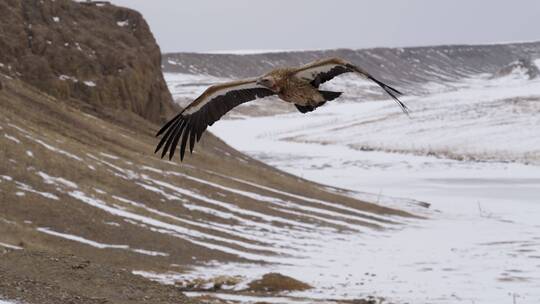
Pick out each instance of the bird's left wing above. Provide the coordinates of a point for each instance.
(324, 70)
(193, 120)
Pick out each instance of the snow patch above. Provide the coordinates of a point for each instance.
(12, 138)
(112, 224)
(66, 77)
(10, 247)
(55, 149)
(163, 278)
(150, 253)
(28, 188)
(537, 63)
(122, 23)
(2, 301)
(152, 169)
(95, 244)
(19, 129)
(109, 155)
(80, 239)
(100, 191)
(57, 181)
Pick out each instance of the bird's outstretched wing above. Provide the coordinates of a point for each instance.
(323, 70)
(193, 120)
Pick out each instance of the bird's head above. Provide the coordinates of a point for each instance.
(268, 82)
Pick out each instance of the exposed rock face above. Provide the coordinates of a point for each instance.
(101, 54)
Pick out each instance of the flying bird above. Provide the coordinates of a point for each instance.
(299, 86)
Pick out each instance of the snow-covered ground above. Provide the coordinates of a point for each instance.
(470, 149)
(189, 85)
(480, 119)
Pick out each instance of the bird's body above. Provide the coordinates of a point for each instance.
(299, 86)
(293, 89)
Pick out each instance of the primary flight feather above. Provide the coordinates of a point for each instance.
(299, 86)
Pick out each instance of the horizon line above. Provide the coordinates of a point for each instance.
(271, 51)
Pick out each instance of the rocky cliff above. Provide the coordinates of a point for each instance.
(100, 54)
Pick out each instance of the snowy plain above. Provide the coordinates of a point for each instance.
(471, 149)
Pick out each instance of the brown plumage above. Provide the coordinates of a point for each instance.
(299, 86)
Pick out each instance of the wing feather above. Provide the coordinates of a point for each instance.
(176, 138)
(208, 108)
(193, 132)
(167, 125)
(184, 135)
(321, 71)
(171, 126)
(171, 137)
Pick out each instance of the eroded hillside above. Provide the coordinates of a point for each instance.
(81, 93)
(76, 182)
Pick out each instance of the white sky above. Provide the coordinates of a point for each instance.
(210, 25)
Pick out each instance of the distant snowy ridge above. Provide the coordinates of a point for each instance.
(405, 67)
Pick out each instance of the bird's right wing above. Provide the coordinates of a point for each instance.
(193, 120)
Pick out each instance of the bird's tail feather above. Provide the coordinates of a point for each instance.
(329, 95)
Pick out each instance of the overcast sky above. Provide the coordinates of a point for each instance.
(210, 25)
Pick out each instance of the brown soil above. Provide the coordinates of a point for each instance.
(276, 282)
(41, 277)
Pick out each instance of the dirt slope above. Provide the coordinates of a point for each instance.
(89, 184)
